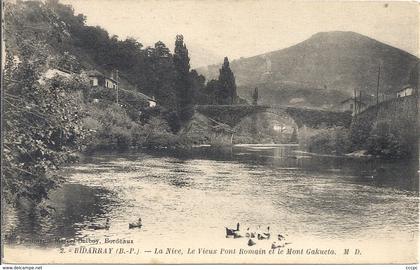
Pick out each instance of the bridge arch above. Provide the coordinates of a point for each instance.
(267, 126)
(232, 114)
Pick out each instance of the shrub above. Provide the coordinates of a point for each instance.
(389, 142)
(110, 126)
(328, 141)
(42, 124)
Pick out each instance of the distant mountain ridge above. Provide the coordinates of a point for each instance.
(339, 62)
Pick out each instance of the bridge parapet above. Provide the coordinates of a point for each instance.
(319, 118)
(233, 114)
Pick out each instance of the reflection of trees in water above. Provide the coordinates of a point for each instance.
(393, 173)
(74, 205)
(401, 174)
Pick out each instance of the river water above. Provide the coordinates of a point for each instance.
(187, 200)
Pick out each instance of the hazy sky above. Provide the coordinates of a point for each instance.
(216, 28)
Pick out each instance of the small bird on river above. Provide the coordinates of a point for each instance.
(136, 224)
(251, 242)
(231, 232)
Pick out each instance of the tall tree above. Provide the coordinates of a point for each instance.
(161, 51)
(183, 82)
(227, 91)
(197, 86)
(162, 76)
(210, 92)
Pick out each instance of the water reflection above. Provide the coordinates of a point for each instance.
(400, 174)
(74, 206)
(302, 194)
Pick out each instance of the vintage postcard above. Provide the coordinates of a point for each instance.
(210, 132)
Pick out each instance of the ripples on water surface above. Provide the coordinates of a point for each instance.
(190, 198)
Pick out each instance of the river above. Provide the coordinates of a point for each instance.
(187, 200)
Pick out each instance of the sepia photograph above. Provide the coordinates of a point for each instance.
(209, 132)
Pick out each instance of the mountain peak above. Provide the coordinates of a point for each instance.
(339, 61)
(336, 34)
(347, 37)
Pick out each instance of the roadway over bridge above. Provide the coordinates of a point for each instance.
(233, 114)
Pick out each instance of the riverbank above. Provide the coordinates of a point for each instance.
(382, 142)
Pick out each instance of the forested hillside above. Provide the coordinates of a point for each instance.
(49, 120)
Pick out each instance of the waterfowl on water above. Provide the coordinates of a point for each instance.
(262, 236)
(100, 226)
(251, 242)
(274, 245)
(135, 224)
(237, 234)
(267, 234)
(231, 232)
(249, 234)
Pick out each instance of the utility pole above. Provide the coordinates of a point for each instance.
(377, 85)
(116, 78)
(355, 102)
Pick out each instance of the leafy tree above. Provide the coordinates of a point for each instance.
(227, 91)
(161, 51)
(390, 142)
(42, 123)
(329, 141)
(162, 76)
(183, 83)
(197, 86)
(112, 126)
(210, 92)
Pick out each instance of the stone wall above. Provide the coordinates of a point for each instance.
(397, 113)
(233, 114)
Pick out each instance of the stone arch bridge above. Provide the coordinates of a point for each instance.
(231, 115)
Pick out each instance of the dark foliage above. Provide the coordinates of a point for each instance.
(332, 140)
(226, 93)
(388, 130)
(183, 82)
(208, 96)
(386, 141)
(153, 70)
(42, 121)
